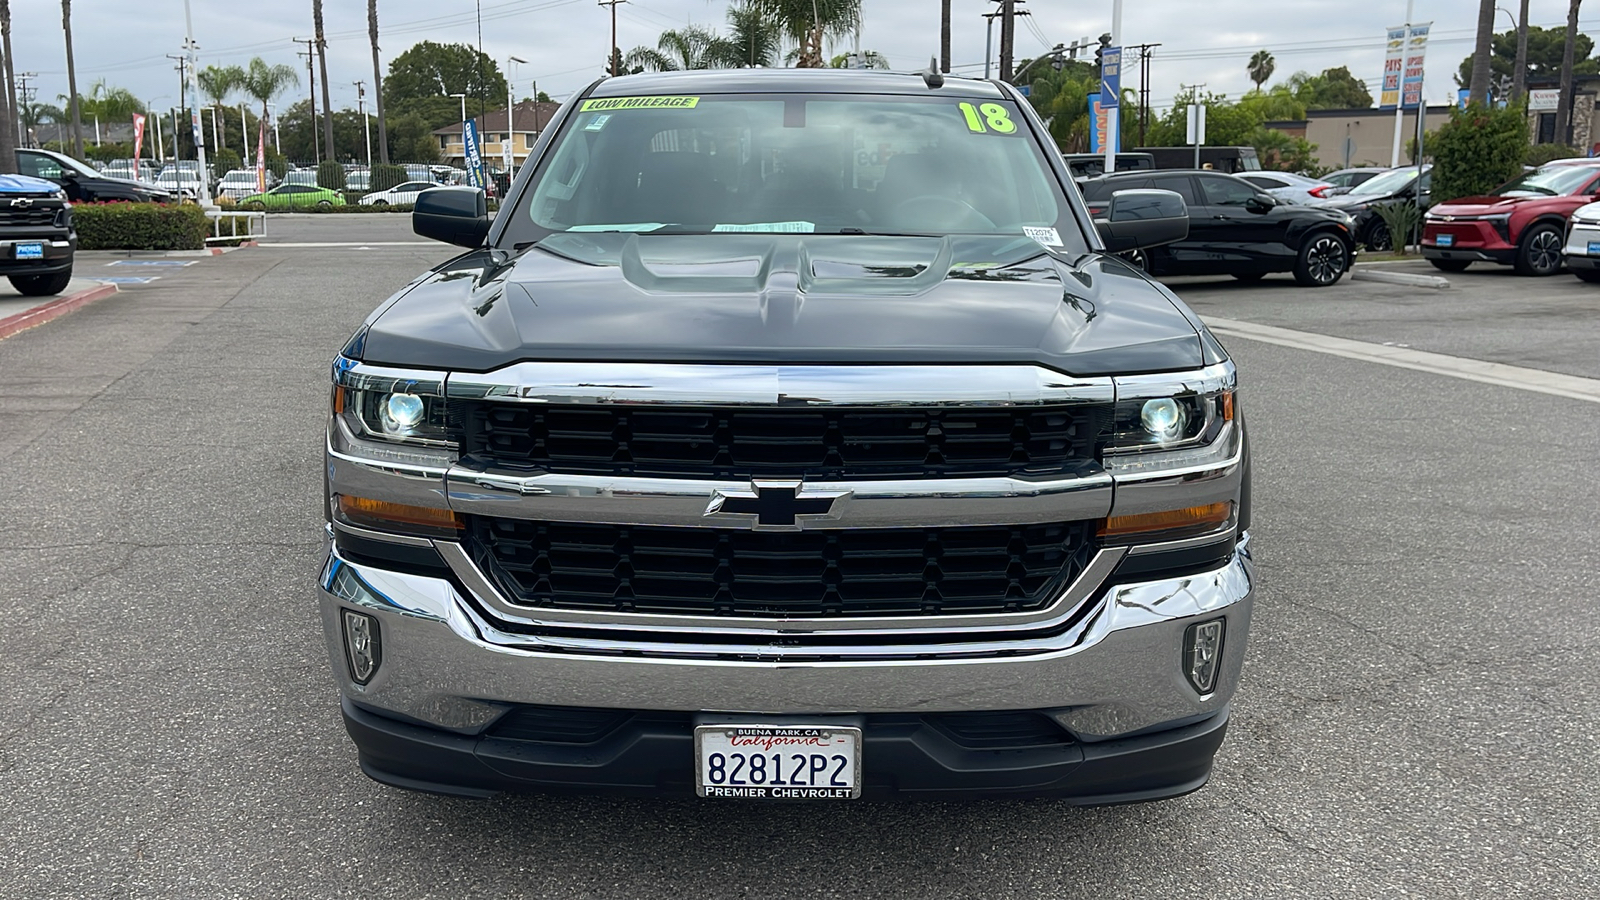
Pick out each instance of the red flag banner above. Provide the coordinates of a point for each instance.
(138, 142)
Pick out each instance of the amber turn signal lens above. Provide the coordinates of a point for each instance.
(382, 514)
(1227, 406)
(1195, 517)
(338, 400)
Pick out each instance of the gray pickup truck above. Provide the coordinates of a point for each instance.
(790, 435)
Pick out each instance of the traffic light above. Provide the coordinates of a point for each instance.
(1100, 52)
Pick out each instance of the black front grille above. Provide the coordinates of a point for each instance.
(730, 572)
(740, 442)
(574, 725)
(30, 216)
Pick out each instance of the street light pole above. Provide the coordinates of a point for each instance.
(361, 104)
(194, 106)
(510, 145)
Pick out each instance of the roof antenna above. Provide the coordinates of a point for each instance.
(932, 77)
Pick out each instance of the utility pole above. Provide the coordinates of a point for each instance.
(988, 45)
(182, 68)
(22, 88)
(1144, 86)
(195, 129)
(311, 72)
(944, 36)
(612, 53)
(361, 106)
(509, 145)
(1008, 33)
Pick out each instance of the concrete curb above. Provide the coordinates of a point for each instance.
(53, 309)
(1406, 278)
(163, 254)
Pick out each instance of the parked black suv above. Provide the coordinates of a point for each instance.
(788, 434)
(36, 237)
(1362, 201)
(82, 183)
(1237, 229)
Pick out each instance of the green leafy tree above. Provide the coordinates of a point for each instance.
(217, 83)
(1331, 89)
(754, 37)
(1545, 46)
(690, 47)
(411, 139)
(1478, 150)
(870, 59)
(1261, 67)
(225, 160)
(807, 24)
(428, 69)
(264, 82)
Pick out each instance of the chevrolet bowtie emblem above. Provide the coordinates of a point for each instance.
(22, 201)
(775, 505)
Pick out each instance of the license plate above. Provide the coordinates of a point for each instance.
(1445, 240)
(778, 762)
(30, 251)
(1594, 248)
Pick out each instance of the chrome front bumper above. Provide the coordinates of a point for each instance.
(1117, 672)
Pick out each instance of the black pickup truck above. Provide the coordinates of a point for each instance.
(789, 434)
(37, 241)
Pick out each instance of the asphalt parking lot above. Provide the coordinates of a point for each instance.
(1418, 713)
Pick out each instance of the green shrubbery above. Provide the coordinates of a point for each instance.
(224, 160)
(139, 226)
(330, 175)
(1539, 154)
(387, 176)
(1478, 150)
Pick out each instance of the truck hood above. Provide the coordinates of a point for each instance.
(26, 184)
(785, 298)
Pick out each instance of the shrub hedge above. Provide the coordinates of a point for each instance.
(387, 176)
(330, 175)
(1478, 150)
(139, 226)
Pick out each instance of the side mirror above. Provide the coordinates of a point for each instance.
(457, 216)
(1260, 204)
(1143, 218)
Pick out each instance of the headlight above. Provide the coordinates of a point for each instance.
(395, 405)
(1170, 412)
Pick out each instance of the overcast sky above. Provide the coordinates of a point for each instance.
(565, 40)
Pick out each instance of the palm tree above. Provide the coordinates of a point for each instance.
(322, 62)
(217, 82)
(72, 81)
(753, 38)
(1519, 69)
(691, 47)
(1261, 67)
(8, 97)
(377, 81)
(808, 23)
(263, 82)
(1478, 85)
(1564, 104)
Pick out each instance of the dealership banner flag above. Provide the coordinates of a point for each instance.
(1393, 66)
(261, 156)
(1411, 80)
(138, 142)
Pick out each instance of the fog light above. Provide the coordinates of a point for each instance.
(362, 646)
(1202, 654)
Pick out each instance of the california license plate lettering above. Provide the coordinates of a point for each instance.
(30, 251)
(778, 762)
(1446, 240)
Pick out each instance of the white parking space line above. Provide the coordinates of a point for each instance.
(1569, 386)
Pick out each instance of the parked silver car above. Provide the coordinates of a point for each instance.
(1287, 187)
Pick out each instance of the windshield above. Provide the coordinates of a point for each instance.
(1385, 184)
(1550, 183)
(797, 164)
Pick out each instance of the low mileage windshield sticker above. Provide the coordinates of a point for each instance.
(607, 104)
(1046, 236)
(771, 228)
